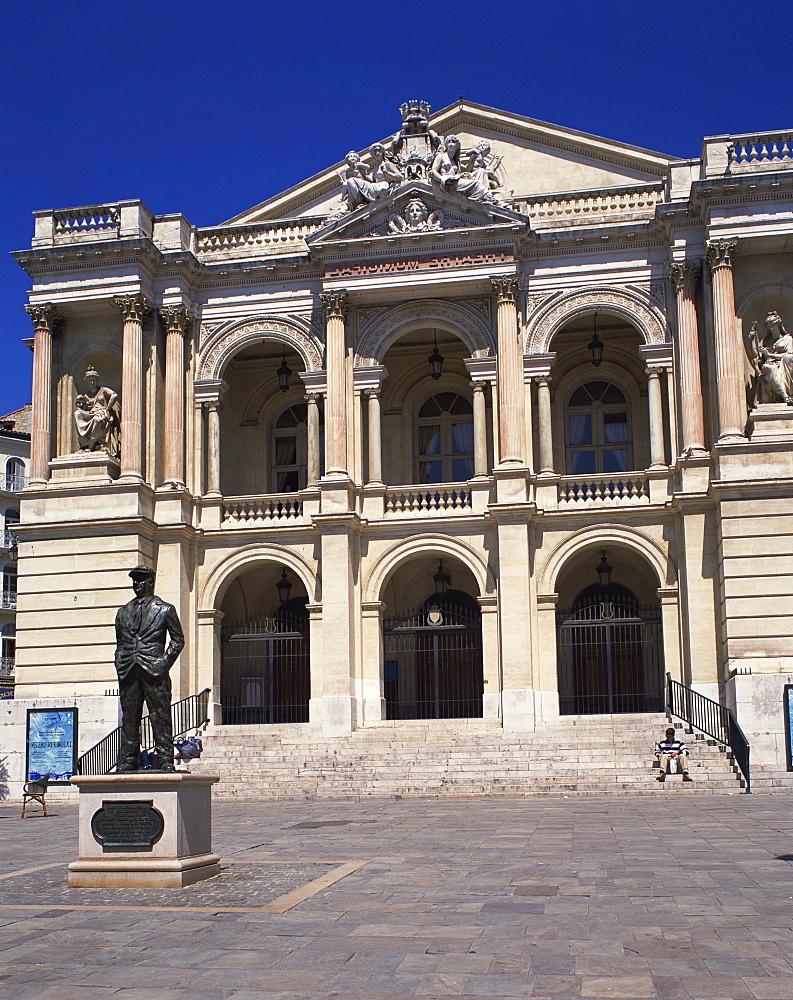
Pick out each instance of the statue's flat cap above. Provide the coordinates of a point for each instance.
(142, 570)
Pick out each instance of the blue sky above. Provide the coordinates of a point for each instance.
(208, 108)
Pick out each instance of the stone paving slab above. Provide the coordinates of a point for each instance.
(483, 898)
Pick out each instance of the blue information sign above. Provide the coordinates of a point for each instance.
(52, 744)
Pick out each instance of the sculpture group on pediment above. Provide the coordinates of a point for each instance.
(772, 361)
(97, 417)
(417, 152)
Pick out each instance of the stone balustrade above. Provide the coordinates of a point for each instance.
(94, 221)
(577, 206)
(603, 490)
(436, 499)
(765, 151)
(256, 238)
(246, 511)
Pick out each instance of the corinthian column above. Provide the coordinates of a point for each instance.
(45, 320)
(176, 321)
(684, 277)
(656, 417)
(729, 376)
(544, 423)
(312, 433)
(375, 438)
(510, 375)
(213, 449)
(134, 308)
(335, 362)
(480, 430)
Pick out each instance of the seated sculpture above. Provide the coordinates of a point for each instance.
(366, 183)
(97, 417)
(772, 361)
(476, 181)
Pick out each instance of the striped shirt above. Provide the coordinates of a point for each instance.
(671, 746)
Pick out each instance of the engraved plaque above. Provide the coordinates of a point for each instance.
(127, 823)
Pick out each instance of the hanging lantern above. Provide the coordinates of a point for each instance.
(595, 345)
(436, 360)
(603, 571)
(284, 374)
(442, 579)
(283, 586)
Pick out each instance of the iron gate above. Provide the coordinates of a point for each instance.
(433, 662)
(265, 675)
(610, 655)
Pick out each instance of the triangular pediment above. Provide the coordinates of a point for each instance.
(532, 159)
(417, 208)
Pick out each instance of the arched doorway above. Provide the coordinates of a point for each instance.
(432, 645)
(265, 675)
(609, 653)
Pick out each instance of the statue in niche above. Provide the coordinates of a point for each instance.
(475, 179)
(366, 183)
(416, 218)
(98, 417)
(772, 361)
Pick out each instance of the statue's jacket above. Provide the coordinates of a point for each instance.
(144, 644)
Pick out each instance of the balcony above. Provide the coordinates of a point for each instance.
(6, 666)
(8, 540)
(728, 155)
(440, 499)
(8, 600)
(276, 508)
(12, 484)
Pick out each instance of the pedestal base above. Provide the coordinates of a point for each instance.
(146, 830)
(89, 467)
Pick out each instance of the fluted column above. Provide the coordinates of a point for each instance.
(544, 422)
(480, 430)
(134, 309)
(176, 321)
(213, 447)
(45, 319)
(312, 444)
(510, 375)
(729, 375)
(684, 277)
(656, 417)
(336, 406)
(375, 439)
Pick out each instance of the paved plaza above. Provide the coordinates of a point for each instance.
(645, 896)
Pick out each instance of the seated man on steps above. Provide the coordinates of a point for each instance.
(671, 751)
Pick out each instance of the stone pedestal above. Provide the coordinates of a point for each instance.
(771, 422)
(146, 830)
(89, 467)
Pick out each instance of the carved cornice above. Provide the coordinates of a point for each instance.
(506, 288)
(684, 274)
(44, 316)
(176, 319)
(718, 253)
(336, 303)
(133, 307)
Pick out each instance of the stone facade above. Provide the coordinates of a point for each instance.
(283, 417)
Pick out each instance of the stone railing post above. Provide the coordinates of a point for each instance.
(510, 373)
(45, 319)
(176, 320)
(684, 277)
(656, 415)
(729, 376)
(134, 309)
(544, 423)
(336, 304)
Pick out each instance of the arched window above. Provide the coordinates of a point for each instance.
(290, 449)
(445, 439)
(597, 430)
(15, 474)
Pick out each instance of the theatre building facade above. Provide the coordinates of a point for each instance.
(491, 420)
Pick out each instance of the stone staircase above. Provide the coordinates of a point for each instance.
(458, 757)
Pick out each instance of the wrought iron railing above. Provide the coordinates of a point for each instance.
(187, 714)
(711, 718)
(7, 665)
(12, 483)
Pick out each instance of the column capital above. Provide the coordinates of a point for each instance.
(373, 392)
(478, 386)
(133, 307)
(683, 274)
(45, 316)
(313, 397)
(719, 253)
(335, 303)
(506, 287)
(654, 371)
(176, 319)
(543, 380)
(212, 404)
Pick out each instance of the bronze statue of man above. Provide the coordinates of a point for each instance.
(142, 664)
